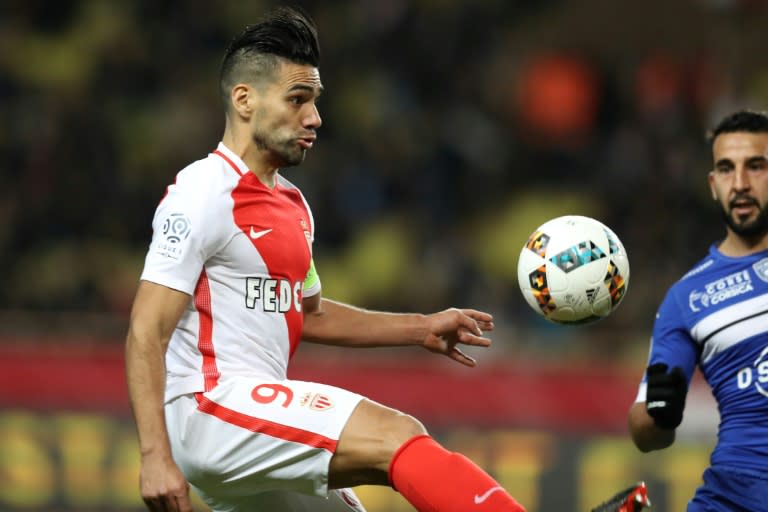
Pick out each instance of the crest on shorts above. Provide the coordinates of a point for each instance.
(316, 401)
(761, 269)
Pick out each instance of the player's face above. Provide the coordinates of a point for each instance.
(739, 181)
(286, 118)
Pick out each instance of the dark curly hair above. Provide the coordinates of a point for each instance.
(752, 121)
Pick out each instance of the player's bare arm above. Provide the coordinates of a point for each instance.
(334, 323)
(645, 434)
(156, 311)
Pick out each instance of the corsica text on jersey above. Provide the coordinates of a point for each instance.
(275, 295)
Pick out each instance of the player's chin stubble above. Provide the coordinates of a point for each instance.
(749, 228)
(284, 154)
(292, 157)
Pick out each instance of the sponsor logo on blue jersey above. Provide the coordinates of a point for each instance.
(720, 290)
(756, 374)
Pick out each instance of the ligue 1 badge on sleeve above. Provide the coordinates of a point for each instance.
(175, 231)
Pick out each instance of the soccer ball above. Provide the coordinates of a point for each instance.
(573, 270)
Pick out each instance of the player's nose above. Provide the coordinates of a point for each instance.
(313, 119)
(740, 179)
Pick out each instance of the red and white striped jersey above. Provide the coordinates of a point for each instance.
(243, 252)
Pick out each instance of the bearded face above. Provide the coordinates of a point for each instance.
(745, 225)
(739, 182)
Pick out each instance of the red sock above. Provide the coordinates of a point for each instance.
(433, 479)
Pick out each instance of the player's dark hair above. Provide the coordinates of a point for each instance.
(751, 121)
(285, 32)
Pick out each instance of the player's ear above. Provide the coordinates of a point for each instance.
(711, 181)
(241, 100)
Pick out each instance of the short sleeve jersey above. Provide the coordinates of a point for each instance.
(716, 317)
(243, 252)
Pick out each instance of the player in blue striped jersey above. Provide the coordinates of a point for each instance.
(716, 317)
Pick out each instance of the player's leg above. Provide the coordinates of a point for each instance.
(382, 446)
(368, 441)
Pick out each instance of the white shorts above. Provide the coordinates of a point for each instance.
(248, 436)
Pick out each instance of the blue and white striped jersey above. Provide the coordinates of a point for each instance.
(716, 317)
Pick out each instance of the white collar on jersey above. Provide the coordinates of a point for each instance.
(236, 160)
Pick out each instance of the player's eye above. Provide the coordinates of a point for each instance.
(723, 168)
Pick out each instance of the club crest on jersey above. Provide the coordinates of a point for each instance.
(720, 290)
(174, 232)
(307, 234)
(761, 269)
(316, 401)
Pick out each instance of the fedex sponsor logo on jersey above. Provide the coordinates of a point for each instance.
(275, 295)
(756, 374)
(721, 290)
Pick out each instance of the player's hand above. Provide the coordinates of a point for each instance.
(163, 486)
(452, 327)
(665, 396)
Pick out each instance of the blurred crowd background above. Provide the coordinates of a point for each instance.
(452, 129)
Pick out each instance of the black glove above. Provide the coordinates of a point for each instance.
(665, 397)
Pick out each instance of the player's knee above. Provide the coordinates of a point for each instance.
(390, 432)
(369, 444)
(402, 427)
(393, 433)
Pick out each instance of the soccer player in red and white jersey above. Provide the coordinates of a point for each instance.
(229, 289)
